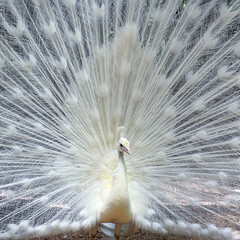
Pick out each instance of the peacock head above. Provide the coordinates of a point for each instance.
(123, 146)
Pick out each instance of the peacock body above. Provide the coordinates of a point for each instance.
(77, 76)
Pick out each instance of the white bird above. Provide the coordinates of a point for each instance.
(78, 76)
(117, 205)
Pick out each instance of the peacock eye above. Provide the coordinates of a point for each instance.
(121, 145)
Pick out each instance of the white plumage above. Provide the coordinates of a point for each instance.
(76, 76)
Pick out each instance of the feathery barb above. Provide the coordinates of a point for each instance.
(74, 72)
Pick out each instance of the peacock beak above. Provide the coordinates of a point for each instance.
(127, 150)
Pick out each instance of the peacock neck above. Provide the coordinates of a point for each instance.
(121, 160)
(121, 169)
